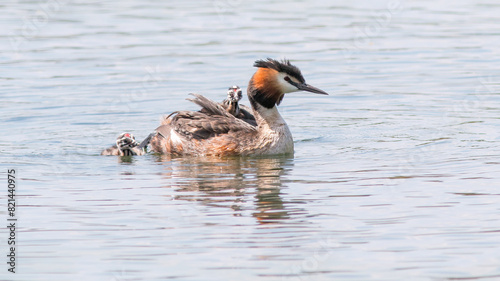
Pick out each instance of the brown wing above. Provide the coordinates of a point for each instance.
(199, 125)
(215, 109)
(246, 116)
(209, 107)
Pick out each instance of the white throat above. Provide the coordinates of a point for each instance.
(268, 116)
(274, 133)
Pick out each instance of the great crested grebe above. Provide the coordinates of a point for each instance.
(234, 95)
(215, 131)
(126, 145)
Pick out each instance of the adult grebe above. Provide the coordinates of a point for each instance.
(215, 131)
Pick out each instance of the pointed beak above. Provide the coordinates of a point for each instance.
(309, 88)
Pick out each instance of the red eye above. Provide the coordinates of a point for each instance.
(287, 79)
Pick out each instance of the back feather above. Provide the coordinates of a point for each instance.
(211, 107)
(213, 121)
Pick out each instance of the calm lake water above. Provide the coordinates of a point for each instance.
(396, 174)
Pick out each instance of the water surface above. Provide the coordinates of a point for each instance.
(395, 174)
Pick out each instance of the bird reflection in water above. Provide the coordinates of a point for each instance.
(231, 182)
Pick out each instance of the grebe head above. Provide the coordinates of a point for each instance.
(126, 141)
(234, 94)
(274, 79)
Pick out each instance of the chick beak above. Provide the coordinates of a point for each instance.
(309, 88)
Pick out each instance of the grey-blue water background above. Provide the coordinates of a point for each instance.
(396, 174)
